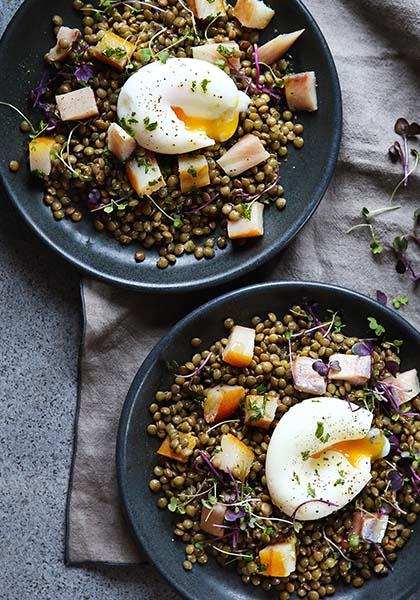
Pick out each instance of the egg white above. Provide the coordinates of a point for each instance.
(293, 477)
(149, 95)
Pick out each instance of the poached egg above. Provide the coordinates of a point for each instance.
(319, 456)
(180, 106)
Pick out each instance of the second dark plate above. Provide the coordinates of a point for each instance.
(136, 455)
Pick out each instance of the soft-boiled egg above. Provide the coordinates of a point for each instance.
(180, 106)
(319, 456)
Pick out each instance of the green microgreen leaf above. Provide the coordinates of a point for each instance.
(399, 301)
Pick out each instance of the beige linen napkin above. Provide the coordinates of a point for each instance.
(376, 47)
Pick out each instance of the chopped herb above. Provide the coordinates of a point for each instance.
(261, 388)
(192, 171)
(193, 85)
(257, 409)
(399, 301)
(305, 454)
(39, 174)
(375, 326)
(224, 51)
(143, 162)
(199, 545)
(319, 432)
(339, 482)
(311, 491)
(148, 125)
(125, 124)
(296, 477)
(204, 84)
(220, 63)
(246, 211)
(117, 53)
(287, 335)
(153, 182)
(261, 566)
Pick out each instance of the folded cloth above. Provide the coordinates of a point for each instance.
(376, 47)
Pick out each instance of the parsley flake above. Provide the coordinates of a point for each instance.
(148, 125)
(204, 84)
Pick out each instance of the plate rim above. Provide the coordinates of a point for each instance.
(221, 277)
(150, 360)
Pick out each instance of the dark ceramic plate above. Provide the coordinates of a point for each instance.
(136, 450)
(304, 177)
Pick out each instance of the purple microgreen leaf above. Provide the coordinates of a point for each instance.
(413, 130)
(84, 73)
(381, 297)
(401, 126)
(364, 348)
(233, 515)
(396, 479)
(396, 153)
(394, 443)
(320, 367)
(392, 367)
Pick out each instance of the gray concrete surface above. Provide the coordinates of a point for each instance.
(39, 339)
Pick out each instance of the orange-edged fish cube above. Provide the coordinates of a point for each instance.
(273, 50)
(260, 410)
(113, 50)
(300, 89)
(193, 172)
(240, 347)
(278, 560)
(235, 456)
(248, 227)
(166, 450)
(222, 401)
(40, 155)
(245, 154)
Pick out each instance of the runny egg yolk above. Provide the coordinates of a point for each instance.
(355, 450)
(219, 130)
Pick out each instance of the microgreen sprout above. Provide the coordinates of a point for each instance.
(372, 214)
(198, 369)
(397, 152)
(33, 130)
(375, 245)
(65, 148)
(335, 547)
(175, 220)
(399, 301)
(111, 206)
(221, 423)
(375, 326)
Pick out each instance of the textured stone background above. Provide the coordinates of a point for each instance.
(40, 327)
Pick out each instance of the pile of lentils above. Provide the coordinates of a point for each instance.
(321, 563)
(175, 224)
